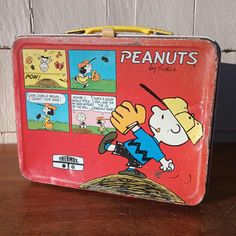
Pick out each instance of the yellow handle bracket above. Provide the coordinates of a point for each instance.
(110, 31)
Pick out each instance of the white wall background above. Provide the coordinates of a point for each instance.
(213, 18)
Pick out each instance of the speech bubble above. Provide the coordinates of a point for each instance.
(46, 98)
(82, 102)
(104, 103)
(95, 103)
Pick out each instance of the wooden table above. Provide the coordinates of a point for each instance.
(32, 209)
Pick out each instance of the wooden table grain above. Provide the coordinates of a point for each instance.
(28, 208)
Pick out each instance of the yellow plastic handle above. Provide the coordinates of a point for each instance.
(135, 29)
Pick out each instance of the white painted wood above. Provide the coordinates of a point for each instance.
(121, 12)
(217, 19)
(58, 16)
(229, 58)
(172, 15)
(7, 113)
(7, 138)
(14, 20)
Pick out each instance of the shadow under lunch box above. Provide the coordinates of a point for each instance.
(127, 114)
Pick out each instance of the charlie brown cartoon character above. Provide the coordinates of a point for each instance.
(173, 126)
(81, 117)
(85, 68)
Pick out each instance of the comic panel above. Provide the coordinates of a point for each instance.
(91, 114)
(93, 70)
(47, 111)
(45, 69)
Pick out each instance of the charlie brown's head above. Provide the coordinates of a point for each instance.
(81, 117)
(174, 124)
(166, 128)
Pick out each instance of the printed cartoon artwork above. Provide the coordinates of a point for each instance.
(47, 111)
(91, 114)
(131, 186)
(171, 123)
(81, 117)
(93, 70)
(101, 124)
(45, 69)
(85, 69)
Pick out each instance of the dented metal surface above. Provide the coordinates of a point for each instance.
(134, 109)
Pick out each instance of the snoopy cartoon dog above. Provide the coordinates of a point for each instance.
(173, 125)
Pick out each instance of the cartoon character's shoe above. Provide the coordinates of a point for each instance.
(105, 141)
(132, 172)
(75, 79)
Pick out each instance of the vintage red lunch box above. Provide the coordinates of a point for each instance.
(127, 114)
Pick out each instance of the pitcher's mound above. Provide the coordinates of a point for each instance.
(132, 186)
(47, 83)
(82, 130)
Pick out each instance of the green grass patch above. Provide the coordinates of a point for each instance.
(58, 126)
(99, 86)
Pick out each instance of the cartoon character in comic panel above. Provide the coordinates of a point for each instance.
(101, 124)
(45, 69)
(81, 117)
(174, 126)
(48, 111)
(86, 73)
(44, 62)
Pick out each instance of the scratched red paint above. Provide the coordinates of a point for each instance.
(192, 77)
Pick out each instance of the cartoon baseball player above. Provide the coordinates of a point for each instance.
(101, 124)
(49, 111)
(173, 125)
(81, 117)
(85, 68)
